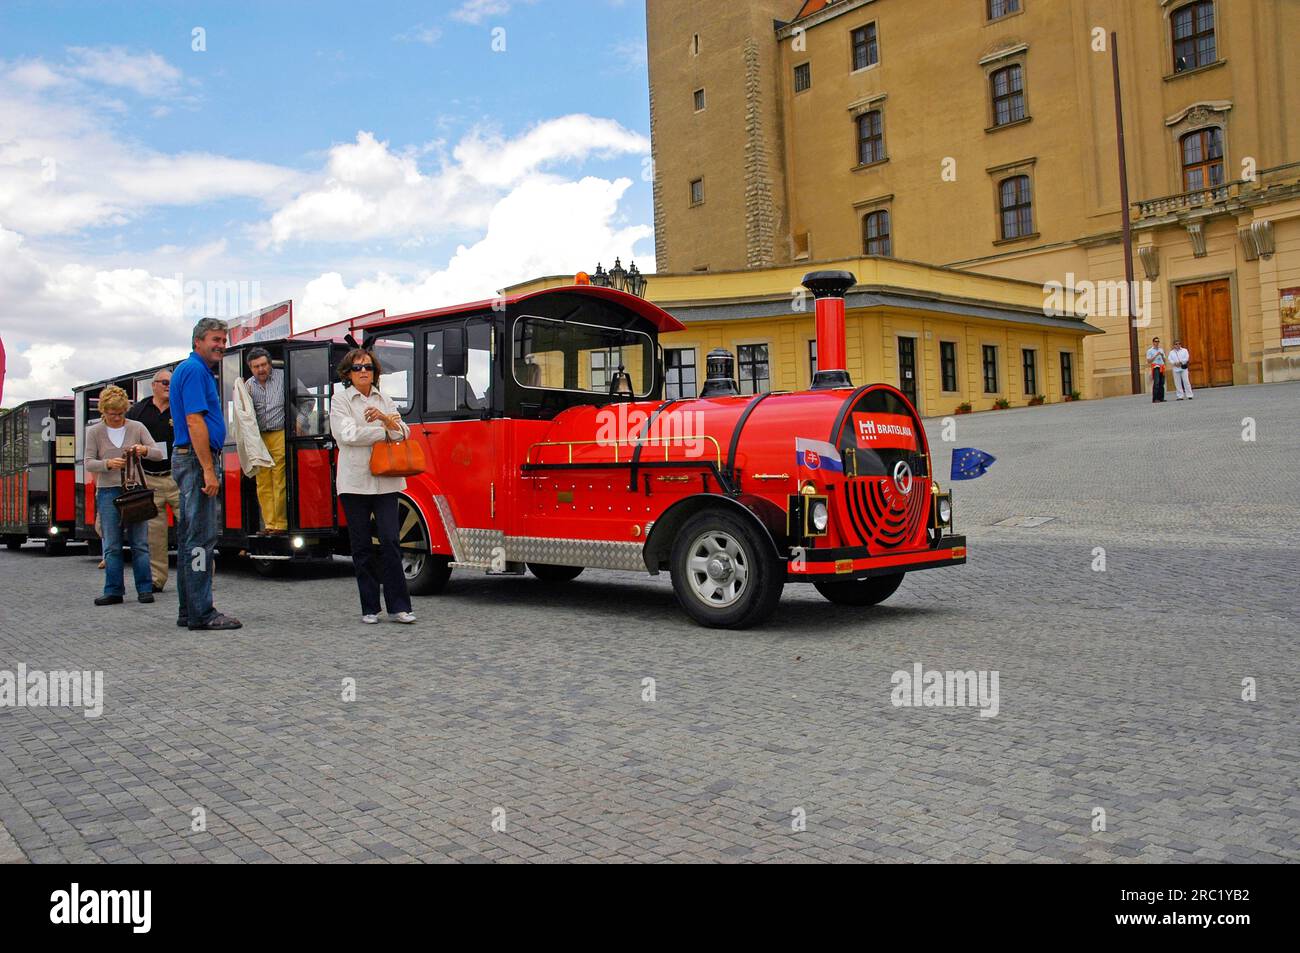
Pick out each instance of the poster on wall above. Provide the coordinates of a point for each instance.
(1289, 306)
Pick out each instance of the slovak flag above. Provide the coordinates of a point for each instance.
(815, 456)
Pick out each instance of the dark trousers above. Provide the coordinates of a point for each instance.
(1157, 384)
(198, 524)
(376, 566)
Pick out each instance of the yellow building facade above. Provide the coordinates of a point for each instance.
(980, 134)
(965, 337)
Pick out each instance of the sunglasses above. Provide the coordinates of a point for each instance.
(358, 368)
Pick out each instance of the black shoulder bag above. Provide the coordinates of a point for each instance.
(135, 503)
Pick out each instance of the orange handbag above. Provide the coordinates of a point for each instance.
(396, 458)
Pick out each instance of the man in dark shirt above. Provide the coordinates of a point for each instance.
(156, 414)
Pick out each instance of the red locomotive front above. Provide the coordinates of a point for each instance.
(550, 448)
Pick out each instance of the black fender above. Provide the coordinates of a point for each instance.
(762, 513)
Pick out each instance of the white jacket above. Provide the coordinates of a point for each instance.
(355, 436)
(253, 455)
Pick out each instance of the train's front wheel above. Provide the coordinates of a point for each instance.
(724, 572)
(426, 573)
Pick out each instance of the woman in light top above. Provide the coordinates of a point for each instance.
(107, 443)
(360, 417)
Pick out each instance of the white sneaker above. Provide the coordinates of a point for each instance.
(370, 619)
(406, 618)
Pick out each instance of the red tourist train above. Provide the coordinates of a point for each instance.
(550, 449)
(36, 479)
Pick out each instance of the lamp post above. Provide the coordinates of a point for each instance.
(636, 281)
(600, 277)
(618, 276)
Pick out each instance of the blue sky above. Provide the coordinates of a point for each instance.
(347, 155)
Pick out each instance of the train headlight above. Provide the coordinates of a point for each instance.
(816, 515)
(299, 542)
(54, 531)
(945, 511)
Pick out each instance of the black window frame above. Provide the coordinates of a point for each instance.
(1067, 373)
(1021, 206)
(698, 100)
(864, 46)
(882, 239)
(948, 367)
(803, 70)
(694, 182)
(990, 363)
(1012, 97)
(674, 374)
(870, 130)
(1190, 50)
(1029, 370)
(997, 9)
(746, 357)
(812, 358)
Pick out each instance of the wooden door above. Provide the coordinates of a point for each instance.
(1205, 320)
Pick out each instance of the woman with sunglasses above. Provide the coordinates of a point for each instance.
(360, 417)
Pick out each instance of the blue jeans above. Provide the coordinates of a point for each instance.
(197, 525)
(137, 535)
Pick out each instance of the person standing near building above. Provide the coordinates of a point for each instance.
(1179, 358)
(266, 387)
(155, 412)
(200, 432)
(1156, 361)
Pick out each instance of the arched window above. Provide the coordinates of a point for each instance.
(871, 138)
(875, 233)
(1193, 35)
(1015, 203)
(1202, 153)
(1008, 95)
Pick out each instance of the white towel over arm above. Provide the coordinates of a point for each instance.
(253, 455)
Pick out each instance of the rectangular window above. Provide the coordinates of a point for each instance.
(1067, 373)
(695, 43)
(679, 373)
(697, 191)
(1193, 29)
(1029, 362)
(802, 77)
(569, 355)
(812, 359)
(871, 137)
(699, 100)
(948, 365)
(444, 395)
(1002, 8)
(753, 369)
(1016, 207)
(990, 369)
(311, 381)
(396, 356)
(1008, 95)
(865, 50)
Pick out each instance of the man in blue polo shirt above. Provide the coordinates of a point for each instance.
(199, 429)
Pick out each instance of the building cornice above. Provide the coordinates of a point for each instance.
(837, 9)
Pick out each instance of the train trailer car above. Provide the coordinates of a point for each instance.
(37, 496)
(550, 449)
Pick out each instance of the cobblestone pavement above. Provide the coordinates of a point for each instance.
(1119, 690)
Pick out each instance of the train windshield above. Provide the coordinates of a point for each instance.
(568, 355)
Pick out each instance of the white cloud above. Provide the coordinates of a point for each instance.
(543, 227)
(476, 11)
(146, 73)
(63, 168)
(428, 35)
(368, 191)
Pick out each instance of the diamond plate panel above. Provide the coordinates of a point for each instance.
(593, 553)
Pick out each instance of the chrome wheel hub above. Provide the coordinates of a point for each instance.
(718, 569)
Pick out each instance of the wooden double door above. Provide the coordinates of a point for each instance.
(1205, 329)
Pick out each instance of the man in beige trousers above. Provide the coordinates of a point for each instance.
(156, 414)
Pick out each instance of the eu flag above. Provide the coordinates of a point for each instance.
(969, 463)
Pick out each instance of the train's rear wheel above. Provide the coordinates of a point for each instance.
(724, 572)
(548, 573)
(426, 573)
(55, 545)
(861, 592)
